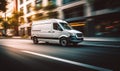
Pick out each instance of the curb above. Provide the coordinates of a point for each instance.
(86, 43)
(103, 39)
(107, 46)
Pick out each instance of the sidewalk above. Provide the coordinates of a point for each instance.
(101, 41)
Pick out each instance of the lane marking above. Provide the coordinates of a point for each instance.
(67, 61)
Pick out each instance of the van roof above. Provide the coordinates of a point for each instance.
(48, 20)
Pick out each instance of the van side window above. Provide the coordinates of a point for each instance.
(56, 26)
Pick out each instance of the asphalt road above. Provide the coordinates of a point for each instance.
(23, 55)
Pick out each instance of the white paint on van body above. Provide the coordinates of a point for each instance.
(45, 30)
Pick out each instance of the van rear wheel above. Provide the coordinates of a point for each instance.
(63, 42)
(35, 40)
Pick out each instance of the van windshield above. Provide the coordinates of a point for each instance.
(65, 26)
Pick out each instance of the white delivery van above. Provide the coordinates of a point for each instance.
(55, 31)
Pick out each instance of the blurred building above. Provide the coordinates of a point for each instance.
(11, 7)
(1, 28)
(105, 19)
(25, 6)
(72, 11)
(92, 17)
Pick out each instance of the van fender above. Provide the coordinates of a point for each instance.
(65, 36)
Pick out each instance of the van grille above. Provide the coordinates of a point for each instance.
(79, 35)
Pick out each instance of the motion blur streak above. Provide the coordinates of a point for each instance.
(67, 61)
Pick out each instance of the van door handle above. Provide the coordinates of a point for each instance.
(51, 31)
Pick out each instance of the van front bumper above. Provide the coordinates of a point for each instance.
(75, 39)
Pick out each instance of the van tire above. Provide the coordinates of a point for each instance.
(63, 41)
(35, 40)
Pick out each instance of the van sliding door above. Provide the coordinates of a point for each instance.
(57, 30)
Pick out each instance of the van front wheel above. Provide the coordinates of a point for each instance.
(35, 40)
(63, 42)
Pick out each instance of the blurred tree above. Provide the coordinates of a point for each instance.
(1, 19)
(14, 21)
(5, 25)
(21, 20)
(3, 4)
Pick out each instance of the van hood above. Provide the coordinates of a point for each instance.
(73, 31)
